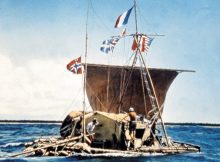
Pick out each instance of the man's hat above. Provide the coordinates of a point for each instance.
(131, 109)
(94, 120)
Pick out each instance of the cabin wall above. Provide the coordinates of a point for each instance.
(108, 129)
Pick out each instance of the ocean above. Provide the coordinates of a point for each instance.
(13, 137)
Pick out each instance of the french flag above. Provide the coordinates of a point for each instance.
(123, 18)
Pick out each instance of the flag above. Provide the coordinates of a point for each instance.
(123, 32)
(113, 42)
(123, 18)
(143, 43)
(75, 66)
(108, 45)
(134, 44)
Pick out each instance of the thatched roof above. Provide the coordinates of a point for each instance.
(112, 116)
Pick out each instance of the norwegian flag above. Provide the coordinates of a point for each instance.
(75, 66)
(142, 43)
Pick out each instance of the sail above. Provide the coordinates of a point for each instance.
(105, 84)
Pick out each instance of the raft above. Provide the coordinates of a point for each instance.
(111, 136)
(74, 146)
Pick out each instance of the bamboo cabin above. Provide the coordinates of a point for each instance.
(112, 131)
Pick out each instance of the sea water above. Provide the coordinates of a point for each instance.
(13, 137)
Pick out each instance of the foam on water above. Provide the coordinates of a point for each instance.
(12, 145)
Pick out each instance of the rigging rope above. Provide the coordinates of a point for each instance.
(99, 18)
(74, 100)
(96, 96)
(143, 87)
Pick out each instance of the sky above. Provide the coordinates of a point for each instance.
(39, 37)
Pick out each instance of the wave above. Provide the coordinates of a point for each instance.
(136, 154)
(12, 144)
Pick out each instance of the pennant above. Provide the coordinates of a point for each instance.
(109, 45)
(134, 44)
(123, 18)
(123, 32)
(143, 43)
(75, 66)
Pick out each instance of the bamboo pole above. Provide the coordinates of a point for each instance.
(140, 151)
(99, 150)
(85, 75)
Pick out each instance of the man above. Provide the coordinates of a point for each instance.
(132, 124)
(78, 128)
(90, 127)
(132, 127)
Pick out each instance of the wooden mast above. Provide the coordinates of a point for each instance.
(149, 76)
(85, 73)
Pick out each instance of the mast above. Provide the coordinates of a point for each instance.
(85, 73)
(138, 52)
(135, 12)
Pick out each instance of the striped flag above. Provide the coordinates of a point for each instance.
(123, 18)
(75, 66)
(143, 43)
(108, 45)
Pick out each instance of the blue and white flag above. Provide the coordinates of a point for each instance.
(123, 18)
(108, 45)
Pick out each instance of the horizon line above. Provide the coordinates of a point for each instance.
(59, 121)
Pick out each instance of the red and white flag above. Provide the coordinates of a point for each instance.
(123, 32)
(75, 66)
(142, 43)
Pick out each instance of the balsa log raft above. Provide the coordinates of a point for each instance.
(72, 146)
(111, 136)
(52, 147)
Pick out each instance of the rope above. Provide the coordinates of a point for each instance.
(99, 18)
(72, 102)
(96, 96)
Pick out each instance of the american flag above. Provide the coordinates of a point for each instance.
(75, 66)
(143, 43)
(109, 45)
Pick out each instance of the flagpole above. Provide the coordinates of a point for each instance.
(85, 74)
(135, 12)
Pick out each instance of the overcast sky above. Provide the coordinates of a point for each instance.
(39, 37)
